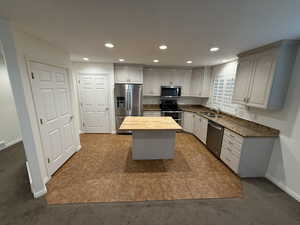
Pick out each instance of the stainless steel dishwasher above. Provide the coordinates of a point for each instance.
(214, 138)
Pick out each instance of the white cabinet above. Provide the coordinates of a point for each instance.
(152, 82)
(188, 122)
(152, 113)
(196, 82)
(263, 71)
(263, 75)
(246, 156)
(128, 74)
(206, 84)
(242, 80)
(200, 127)
(200, 82)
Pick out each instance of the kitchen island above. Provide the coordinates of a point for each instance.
(153, 137)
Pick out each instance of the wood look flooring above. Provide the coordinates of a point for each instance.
(103, 171)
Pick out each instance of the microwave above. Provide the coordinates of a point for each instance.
(170, 91)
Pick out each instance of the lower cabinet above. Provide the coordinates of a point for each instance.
(200, 127)
(246, 156)
(152, 113)
(188, 122)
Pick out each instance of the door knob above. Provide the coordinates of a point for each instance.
(106, 108)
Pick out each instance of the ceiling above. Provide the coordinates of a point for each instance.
(138, 27)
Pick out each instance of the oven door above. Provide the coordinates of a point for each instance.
(176, 115)
(170, 91)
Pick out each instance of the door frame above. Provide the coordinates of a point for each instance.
(29, 60)
(108, 98)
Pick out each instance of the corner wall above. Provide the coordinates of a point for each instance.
(9, 123)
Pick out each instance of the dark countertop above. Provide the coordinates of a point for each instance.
(240, 126)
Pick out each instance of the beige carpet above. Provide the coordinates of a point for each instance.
(103, 171)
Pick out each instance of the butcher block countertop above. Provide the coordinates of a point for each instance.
(149, 123)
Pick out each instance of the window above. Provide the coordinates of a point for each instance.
(223, 87)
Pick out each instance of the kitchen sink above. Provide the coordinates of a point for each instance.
(211, 114)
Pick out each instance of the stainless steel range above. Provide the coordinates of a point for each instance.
(169, 107)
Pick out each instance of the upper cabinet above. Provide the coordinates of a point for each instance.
(155, 77)
(200, 82)
(263, 75)
(128, 74)
(152, 82)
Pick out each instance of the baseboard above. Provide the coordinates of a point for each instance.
(11, 143)
(283, 187)
(40, 193)
(46, 179)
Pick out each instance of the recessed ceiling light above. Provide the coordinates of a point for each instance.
(85, 59)
(189, 61)
(109, 45)
(214, 49)
(121, 60)
(163, 47)
(156, 60)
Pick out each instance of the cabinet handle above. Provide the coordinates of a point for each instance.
(228, 159)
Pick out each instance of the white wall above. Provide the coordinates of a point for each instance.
(96, 68)
(18, 48)
(9, 122)
(284, 166)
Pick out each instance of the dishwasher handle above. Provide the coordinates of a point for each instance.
(213, 125)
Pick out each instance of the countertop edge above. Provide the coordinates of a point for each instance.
(183, 108)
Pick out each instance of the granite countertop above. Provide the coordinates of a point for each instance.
(242, 127)
(149, 123)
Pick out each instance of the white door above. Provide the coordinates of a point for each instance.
(53, 105)
(94, 103)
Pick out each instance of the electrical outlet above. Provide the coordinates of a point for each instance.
(2, 145)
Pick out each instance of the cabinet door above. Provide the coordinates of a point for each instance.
(135, 74)
(186, 83)
(156, 81)
(203, 131)
(166, 76)
(206, 85)
(196, 82)
(148, 83)
(188, 122)
(242, 80)
(121, 74)
(262, 79)
(197, 126)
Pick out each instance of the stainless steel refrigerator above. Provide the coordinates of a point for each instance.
(128, 102)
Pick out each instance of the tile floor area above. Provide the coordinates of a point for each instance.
(262, 204)
(103, 171)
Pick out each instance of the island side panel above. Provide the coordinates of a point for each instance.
(148, 145)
